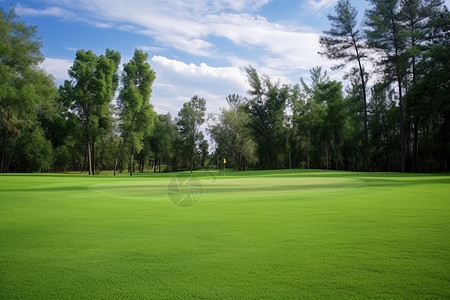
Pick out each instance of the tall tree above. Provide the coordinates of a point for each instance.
(386, 34)
(190, 118)
(333, 121)
(24, 88)
(233, 136)
(309, 114)
(107, 84)
(266, 109)
(90, 92)
(429, 96)
(318, 75)
(346, 43)
(417, 17)
(354, 130)
(162, 140)
(295, 102)
(383, 128)
(136, 113)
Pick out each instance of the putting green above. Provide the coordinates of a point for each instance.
(268, 234)
(210, 187)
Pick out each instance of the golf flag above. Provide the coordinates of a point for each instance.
(224, 161)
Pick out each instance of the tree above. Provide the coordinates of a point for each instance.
(318, 75)
(354, 129)
(189, 120)
(417, 17)
(34, 152)
(233, 136)
(90, 91)
(136, 113)
(309, 113)
(382, 128)
(296, 102)
(429, 96)
(24, 88)
(202, 146)
(386, 34)
(162, 140)
(333, 121)
(266, 110)
(346, 43)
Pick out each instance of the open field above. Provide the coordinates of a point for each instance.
(250, 235)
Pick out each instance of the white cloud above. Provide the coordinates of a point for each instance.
(176, 82)
(278, 50)
(285, 47)
(49, 11)
(231, 74)
(150, 48)
(57, 67)
(239, 5)
(187, 26)
(317, 5)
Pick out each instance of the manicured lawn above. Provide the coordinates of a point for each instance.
(250, 235)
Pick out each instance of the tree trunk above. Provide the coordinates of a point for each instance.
(416, 118)
(102, 157)
(131, 164)
(386, 142)
(290, 162)
(307, 152)
(416, 145)
(402, 124)
(363, 87)
(89, 158)
(11, 151)
(115, 165)
(83, 166)
(2, 165)
(93, 156)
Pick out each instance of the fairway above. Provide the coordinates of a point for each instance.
(244, 235)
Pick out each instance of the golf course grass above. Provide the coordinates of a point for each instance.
(244, 235)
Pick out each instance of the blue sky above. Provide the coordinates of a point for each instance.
(195, 47)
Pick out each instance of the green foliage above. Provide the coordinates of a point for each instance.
(345, 42)
(24, 90)
(162, 141)
(266, 110)
(383, 129)
(62, 158)
(135, 110)
(311, 124)
(189, 120)
(89, 94)
(33, 152)
(233, 136)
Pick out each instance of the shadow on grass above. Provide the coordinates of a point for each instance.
(47, 189)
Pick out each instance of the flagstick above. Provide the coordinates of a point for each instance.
(224, 162)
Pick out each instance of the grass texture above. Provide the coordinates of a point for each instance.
(249, 235)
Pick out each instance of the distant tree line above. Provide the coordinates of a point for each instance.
(102, 120)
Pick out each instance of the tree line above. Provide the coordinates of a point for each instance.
(103, 120)
(400, 123)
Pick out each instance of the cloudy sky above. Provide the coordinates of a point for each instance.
(196, 47)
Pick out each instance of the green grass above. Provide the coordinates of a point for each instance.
(252, 235)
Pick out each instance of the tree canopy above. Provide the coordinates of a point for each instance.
(396, 119)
